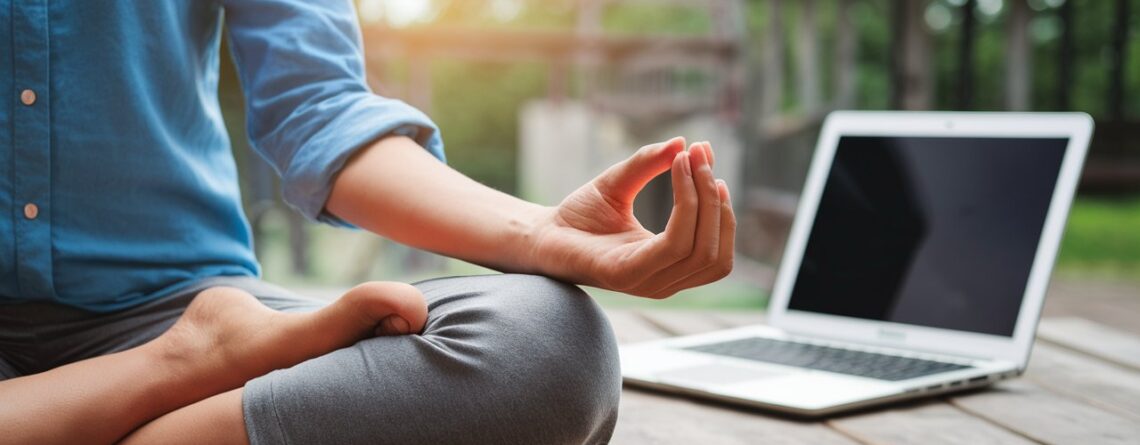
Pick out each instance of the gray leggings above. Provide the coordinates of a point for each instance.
(503, 359)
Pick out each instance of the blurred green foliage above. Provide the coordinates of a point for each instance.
(477, 103)
(649, 18)
(1103, 236)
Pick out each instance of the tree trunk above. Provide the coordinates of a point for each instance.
(772, 89)
(1019, 57)
(1065, 57)
(846, 53)
(1119, 61)
(911, 80)
(965, 91)
(808, 58)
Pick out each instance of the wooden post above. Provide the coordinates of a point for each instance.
(1118, 62)
(965, 89)
(846, 51)
(772, 89)
(807, 58)
(1019, 57)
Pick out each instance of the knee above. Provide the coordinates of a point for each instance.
(503, 359)
(548, 348)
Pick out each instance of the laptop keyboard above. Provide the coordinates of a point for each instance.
(826, 358)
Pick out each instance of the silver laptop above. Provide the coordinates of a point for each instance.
(917, 264)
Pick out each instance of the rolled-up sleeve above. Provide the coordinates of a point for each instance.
(309, 107)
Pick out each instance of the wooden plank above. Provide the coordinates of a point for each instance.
(1071, 374)
(932, 422)
(682, 322)
(1092, 338)
(1111, 303)
(1048, 417)
(651, 419)
(630, 327)
(466, 43)
(732, 319)
(1075, 375)
(1070, 385)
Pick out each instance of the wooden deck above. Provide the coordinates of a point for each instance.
(1082, 387)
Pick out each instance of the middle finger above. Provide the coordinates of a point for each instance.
(706, 246)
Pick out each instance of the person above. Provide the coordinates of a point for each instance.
(130, 308)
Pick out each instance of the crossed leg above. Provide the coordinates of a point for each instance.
(224, 338)
(502, 359)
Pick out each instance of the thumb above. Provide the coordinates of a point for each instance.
(624, 180)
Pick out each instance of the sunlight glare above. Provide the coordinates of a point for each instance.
(397, 13)
(506, 10)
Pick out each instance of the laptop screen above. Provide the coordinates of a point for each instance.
(929, 231)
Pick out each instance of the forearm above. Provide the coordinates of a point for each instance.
(395, 189)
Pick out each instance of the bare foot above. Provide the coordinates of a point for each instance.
(227, 333)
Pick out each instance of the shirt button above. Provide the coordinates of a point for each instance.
(28, 97)
(31, 211)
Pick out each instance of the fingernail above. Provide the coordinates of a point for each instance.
(685, 164)
(395, 325)
(704, 154)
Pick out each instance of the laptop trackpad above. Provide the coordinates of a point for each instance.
(716, 374)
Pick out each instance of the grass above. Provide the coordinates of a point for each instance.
(724, 294)
(1102, 238)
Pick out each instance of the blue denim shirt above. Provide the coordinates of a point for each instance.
(118, 184)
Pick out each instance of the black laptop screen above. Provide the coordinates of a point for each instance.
(929, 231)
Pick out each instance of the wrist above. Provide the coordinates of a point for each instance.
(528, 232)
(551, 250)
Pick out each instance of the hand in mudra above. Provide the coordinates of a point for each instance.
(594, 234)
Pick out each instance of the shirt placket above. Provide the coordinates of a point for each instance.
(31, 121)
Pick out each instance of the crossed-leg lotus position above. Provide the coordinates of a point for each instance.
(130, 308)
(489, 359)
(225, 338)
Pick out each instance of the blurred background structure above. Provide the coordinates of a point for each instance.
(535, 97)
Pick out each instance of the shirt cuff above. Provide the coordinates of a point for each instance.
(308, 181)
